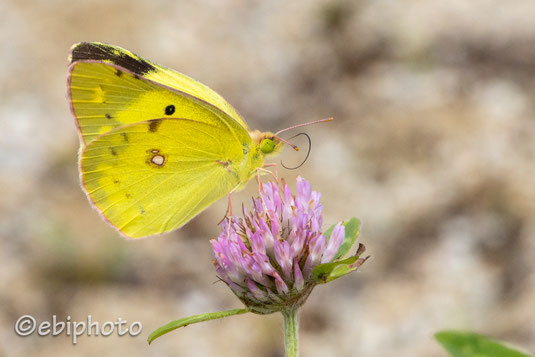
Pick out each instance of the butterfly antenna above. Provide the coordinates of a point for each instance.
(287, 143)
(308, 153)
(304, 124)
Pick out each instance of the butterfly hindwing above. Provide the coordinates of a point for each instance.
(152, 177)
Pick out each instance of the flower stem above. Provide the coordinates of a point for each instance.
(291, 332)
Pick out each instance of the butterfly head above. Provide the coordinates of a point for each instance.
(269, 143)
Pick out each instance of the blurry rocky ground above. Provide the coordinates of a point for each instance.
(432, 148)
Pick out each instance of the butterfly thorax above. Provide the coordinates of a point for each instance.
(264, 144)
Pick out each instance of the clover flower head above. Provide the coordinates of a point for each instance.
(275, 254)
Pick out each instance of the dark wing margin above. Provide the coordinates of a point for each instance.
(85, 51)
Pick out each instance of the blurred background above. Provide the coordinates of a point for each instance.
(432, 147)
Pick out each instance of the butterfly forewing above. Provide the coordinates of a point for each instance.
(110, 87)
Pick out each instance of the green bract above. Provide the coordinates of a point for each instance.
(339, 267)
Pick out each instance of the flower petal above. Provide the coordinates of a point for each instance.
(336, 240)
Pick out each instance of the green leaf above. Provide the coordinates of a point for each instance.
(352, 228)
(327, 272)
(192, 320)
(469, 344)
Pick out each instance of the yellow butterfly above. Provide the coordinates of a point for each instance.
(157, 147)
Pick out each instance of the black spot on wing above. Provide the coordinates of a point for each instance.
(101, 52)
(154, 124)
(108, 116)
(118, 72)
(113, 152)
(170, 109)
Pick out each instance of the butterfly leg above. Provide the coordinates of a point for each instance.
(260, 183)
(229, 208)
(259, 180)
(275, 175)
(228, 212)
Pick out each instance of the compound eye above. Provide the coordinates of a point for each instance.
(267, 146)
